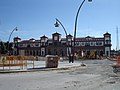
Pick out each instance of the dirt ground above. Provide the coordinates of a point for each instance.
(96, 75)
(93, 77)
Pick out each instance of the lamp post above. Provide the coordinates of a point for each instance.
(76, 25)
(15, 29)
(57, 25)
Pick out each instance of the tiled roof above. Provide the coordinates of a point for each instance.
(56, 33)
(44, 37)
(17, 38)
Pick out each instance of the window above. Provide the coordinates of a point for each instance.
(49, 44)
(62, 52)
(20, 45)
(28, 45)
(43, 40)
(77, 43)
(99, 43)
(107, 52)
(42, 43)
(49, 51)
(63, 43)
(69, 39)
(30, 52)
(69, 43)
(87, 44)
(36, 44)
(55, 43)
(108, 41)
(83, 44)
(55, 38)
(92, 44)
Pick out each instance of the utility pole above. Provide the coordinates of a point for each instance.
(117, 41)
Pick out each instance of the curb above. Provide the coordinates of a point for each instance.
(36, 69)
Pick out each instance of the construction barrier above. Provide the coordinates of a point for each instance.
(9, 61)
(118, 60)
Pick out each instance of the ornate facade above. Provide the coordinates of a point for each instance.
(63, 46)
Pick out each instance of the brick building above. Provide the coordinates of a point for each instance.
(63, 46)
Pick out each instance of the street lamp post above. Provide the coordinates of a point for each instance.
(76, 26)
(57, 25)
(15, 29)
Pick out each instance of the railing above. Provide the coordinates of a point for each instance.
(20, 61)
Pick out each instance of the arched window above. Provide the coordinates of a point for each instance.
(28, 45)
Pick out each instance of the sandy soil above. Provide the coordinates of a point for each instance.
(97, 75)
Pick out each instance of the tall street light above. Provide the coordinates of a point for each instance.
(57, 25)
(15, 29)
(67, 44)
(76, 25)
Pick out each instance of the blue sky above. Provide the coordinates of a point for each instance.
(35, 18)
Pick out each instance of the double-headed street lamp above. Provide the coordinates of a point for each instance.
(67, 44)
(76, 26)
(15, 29)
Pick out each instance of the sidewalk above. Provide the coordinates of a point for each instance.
(40, 66)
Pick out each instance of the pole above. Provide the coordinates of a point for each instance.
(76, 27)
(15, 29)
(62, 26)
(66, 36)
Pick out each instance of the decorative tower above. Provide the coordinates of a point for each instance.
(56, 42)
(16, 45)
(43, 42)
(56, 38)
(107, 44)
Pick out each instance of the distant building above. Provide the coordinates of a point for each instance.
(63, 46)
